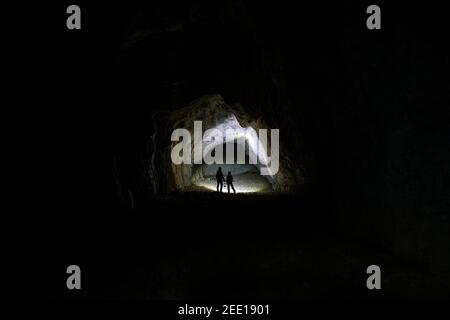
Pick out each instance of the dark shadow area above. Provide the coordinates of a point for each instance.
(364, 125)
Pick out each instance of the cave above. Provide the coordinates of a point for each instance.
(247, 157)
(342, 138)
(247, 177)
(363, 157)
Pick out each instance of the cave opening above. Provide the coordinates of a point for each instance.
(227, 136)
(247, 177)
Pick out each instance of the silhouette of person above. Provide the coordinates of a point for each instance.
(230, 182)
(219, 178)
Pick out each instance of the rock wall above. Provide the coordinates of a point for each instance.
(213, 111)
(361, 114)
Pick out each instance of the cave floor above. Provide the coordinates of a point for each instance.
(195, 245)
(283, 271)
(243, 183)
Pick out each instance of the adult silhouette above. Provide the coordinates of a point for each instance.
(230, 182)
(219, 178)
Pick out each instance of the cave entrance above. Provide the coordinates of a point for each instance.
(247, 177)
(213, 123)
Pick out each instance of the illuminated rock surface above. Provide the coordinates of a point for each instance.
(216, 114)
(243, 183)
